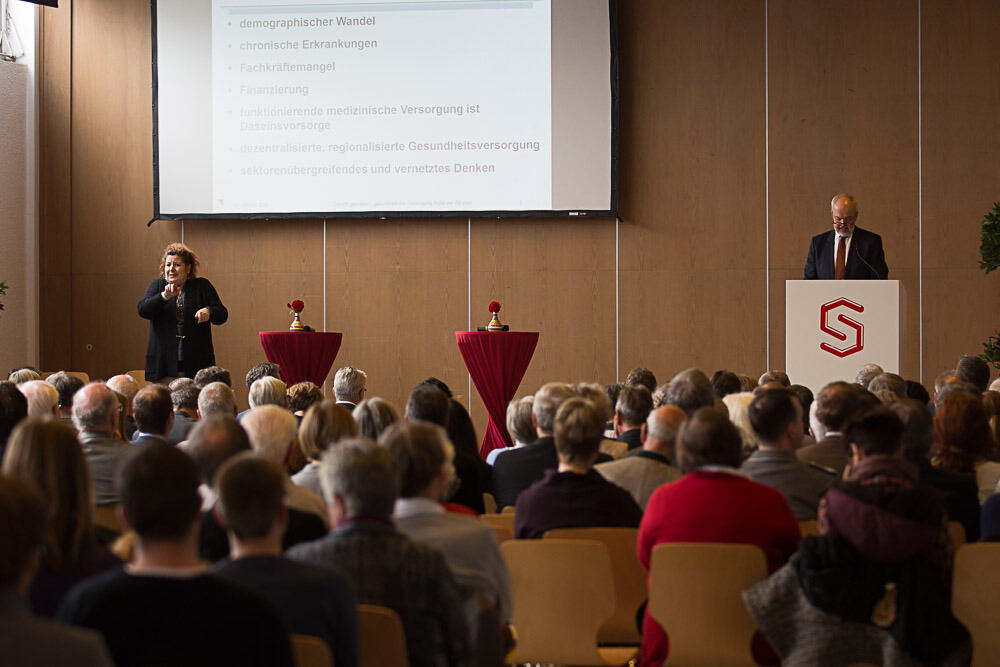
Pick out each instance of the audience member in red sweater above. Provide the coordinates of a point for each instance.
(713, 502)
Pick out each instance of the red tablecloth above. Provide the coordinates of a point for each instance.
(302, 355)
(496, 361)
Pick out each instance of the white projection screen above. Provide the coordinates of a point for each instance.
(285, 109)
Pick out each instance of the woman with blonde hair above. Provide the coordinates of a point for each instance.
(324, 424)
(374, 415)
(46, 452)
(738, 406)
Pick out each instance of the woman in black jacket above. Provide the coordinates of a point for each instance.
(181, 308)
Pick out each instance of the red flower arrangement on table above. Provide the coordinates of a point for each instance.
(296, 306)
(494, 306)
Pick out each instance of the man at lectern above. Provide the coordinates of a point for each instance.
(847, 252)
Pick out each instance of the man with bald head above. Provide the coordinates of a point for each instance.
(644, 470)
(847, 252)
(96, 415)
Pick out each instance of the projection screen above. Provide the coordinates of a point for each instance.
(383, 109)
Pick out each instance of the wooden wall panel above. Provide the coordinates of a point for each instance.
(257, 268)
(556, 277)
(843, 117)
(113, 253)
(961, 142)
(692, 186)
(398, 291)
(54, 175)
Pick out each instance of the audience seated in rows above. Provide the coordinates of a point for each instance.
(184, 400)
(574, 495)
(164, 608)
(26, 639)
(311, 599)
(273, 433)
(713, 502)
(374, 415)
(776, 418)
(324, 424)
(96, 415)
(386, 567)
(154, 415)
(858, 595)
(46, 453)
(648, 468)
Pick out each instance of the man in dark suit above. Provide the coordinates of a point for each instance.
(848, 252)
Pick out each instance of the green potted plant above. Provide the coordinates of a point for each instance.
(989, 259)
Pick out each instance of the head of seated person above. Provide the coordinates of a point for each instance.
(578, 431)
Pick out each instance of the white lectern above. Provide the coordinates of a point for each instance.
(834, 327)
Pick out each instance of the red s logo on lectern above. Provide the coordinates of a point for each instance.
(859, 329)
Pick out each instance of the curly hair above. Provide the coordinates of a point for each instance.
(185, 253)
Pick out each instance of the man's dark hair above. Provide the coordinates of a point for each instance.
(690, 390)
(780, 377)
(262, 370)
(185, 398)
(770, 413)
(419, 453)
(23, 520)
(708, 438)
(152, 408)
(212, 374)
(805, 396)
(634, 404)
(579, 428)
(429, 404)
(158, 485)
(917, 391)
(888, 382)
(725, 383)
(439, 384)
(251, 491)
(974, 370)
(835, 404)
(642, 377)
(918, 428)
(875, 431)
(66, 385)
(613, 390)
(13, 408)
(214, 440)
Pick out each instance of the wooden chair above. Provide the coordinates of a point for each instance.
(808, 527)
(974, 599)
(311, 651)
(509, 509)
(382, 639)
(106, 516)
(629, 578)
(490, 503)
(503, 520)
(957, 532)
(563, 592)
(139, 377)
(502, 533)
(695, 594)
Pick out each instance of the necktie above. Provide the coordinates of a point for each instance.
(838, 271)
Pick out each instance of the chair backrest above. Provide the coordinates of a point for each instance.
(509, 509)
(629, 578)
(311, 651)
(974, 599)
(490, 503)
(106, 516)
(504, 520)
(502, 533)
(957, 532)
(382, 639)
(808, 527)
(139, 377)
(563, 592)
(695, 595)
